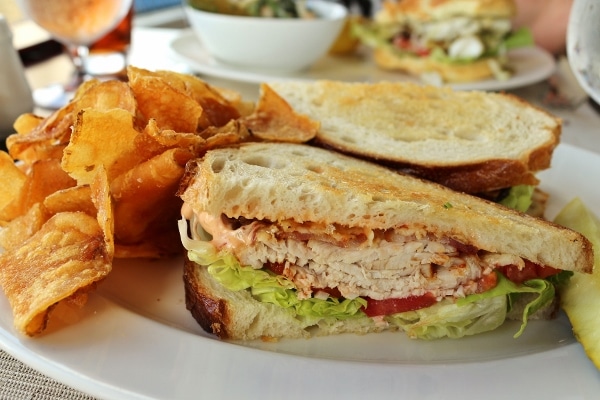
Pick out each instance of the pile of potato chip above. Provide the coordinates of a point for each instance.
(96, 180)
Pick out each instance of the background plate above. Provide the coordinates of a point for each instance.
(532, 64)
(136, 340)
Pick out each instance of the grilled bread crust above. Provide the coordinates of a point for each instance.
(425, 10)
(279, 182)
(469, 141)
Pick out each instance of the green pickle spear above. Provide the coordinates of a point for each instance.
(581, 297)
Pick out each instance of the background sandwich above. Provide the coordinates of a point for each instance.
(488, 144)
(291, 240)
(444, 41)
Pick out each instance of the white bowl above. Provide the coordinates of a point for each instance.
(277, 44)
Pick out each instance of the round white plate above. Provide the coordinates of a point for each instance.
(136, 340)
(532, 64)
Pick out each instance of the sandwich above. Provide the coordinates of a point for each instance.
(294, 241)
(487, 144)
(446, 40)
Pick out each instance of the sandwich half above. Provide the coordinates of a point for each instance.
(487, 144)
(445, 40)
(289, 241)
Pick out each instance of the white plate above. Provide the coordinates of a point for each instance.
(136, 340)
(532, 64)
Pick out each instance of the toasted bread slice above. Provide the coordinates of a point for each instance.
(469, 141)
(300, 183)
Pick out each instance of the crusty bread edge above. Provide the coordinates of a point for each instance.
(473, 178)
(425, 10)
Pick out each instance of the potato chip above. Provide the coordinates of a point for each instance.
(66, 255)
(144, 197)
(25, 123)
(244, 107)
(107, 95)
(101, 197)
(44, 178)
(104, 138)
(275, 120)
(46, 140)
(171, 108)
(169, 138)
(49, 137)
(76, 198)
(12, 178)
(232, 133)
(82, 89)
(216, 109)
(23, 227)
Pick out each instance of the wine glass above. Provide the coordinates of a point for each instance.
(583, 45)
(77, 25)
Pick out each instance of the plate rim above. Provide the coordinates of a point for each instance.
(210, 67)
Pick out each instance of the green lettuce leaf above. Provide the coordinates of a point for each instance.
(453, 320)
(270, 288)
(519, 197)
(505, 288)
(378, 36)
(373, 35)
(520, 38)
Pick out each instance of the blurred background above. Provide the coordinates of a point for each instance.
(12, 12)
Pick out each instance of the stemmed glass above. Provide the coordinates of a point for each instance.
(77, 25)
(583, 45)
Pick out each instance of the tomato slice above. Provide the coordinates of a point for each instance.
(376, 308)
(531, 271)
(404, 43)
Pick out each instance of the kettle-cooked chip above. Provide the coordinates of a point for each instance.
(49, 136)
(144, 198)
(275, 120)
(104, 138)
(107, 95)
(171, 108)
(13, 179)
(66, 255)
(46, 140)
(101, 197)
(27, 122)
(41, 179)
(217, 110)
(23, 227)
(76, 198)
(44, 177)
